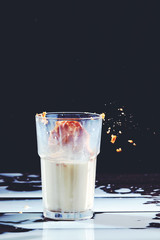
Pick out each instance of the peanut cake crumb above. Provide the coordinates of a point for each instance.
(43, 115)
(113, 138)
(102, 116)
(108, 131)
(119, 150)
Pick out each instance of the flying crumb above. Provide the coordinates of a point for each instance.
(102, 116)
(120, 132)
(120, 109)
(134, 144)
(108, 131)
(113, 138)
(119, 150)
(130, 141)
(91, 118)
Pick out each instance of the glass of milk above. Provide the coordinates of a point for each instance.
(68, 145)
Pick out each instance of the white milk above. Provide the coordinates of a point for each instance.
(68, 185)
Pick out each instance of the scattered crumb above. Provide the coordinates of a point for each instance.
(119, 150)
(44, 120)
(102, 116)
(43, 115)
(130, 141)
(120, 109)
(92, 118)
(26, 207)
(20, 212)
(113, 138)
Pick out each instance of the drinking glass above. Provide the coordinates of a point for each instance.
(68, 145)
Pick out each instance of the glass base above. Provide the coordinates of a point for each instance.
(70, 216)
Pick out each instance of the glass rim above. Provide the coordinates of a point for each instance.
(89, 116)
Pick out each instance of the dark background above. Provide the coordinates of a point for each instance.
(81, 56)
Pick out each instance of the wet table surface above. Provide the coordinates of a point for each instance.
(125, 207)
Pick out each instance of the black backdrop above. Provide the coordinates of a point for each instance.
(81, 56)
